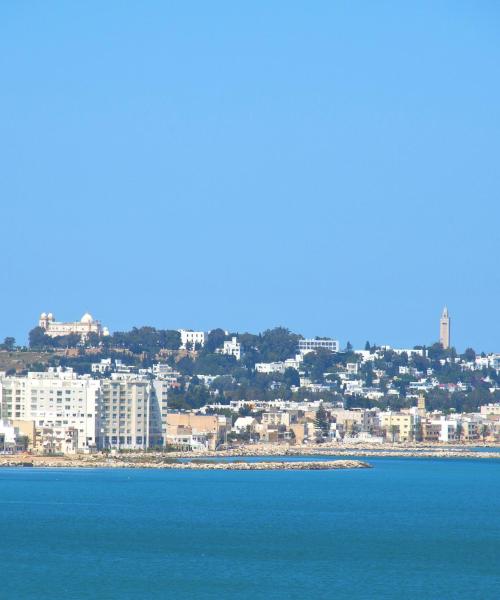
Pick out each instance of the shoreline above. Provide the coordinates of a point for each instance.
(346, 456)
(63, 462)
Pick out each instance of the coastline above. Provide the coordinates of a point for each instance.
(342, 457)
(44, 462)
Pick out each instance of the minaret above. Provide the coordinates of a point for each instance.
(444, 329)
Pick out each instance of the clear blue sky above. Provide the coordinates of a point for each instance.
(328, 166)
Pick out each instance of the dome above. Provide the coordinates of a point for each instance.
(43, 316)
(87, 318)
(50, 316)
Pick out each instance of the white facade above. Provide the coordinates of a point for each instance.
(130, 415)
(104, 366)
(54, 399)
(193, 338)
(242, 424)
(273, 367)
(86, 325)
(309, 345)
(126, 411)
(232, 348)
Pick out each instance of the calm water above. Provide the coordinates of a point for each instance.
(409, 528)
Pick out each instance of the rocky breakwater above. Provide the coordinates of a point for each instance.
(145, 462)
(326, 465)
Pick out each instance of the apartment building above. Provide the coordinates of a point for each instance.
(130, 414)
(54, 399)
(398, 426)
(125, 411)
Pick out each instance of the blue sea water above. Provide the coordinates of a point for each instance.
(408, 528)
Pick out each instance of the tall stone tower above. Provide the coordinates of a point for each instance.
(444, 329)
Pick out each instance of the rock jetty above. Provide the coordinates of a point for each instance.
(124, 463)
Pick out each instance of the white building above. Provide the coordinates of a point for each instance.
(192, 338)
(104, 366)
(244, 424)
(273, 367)
(131, 412)
(54, 399)
(86, 325)
(232, 348)
(309, 345)
(126, 411)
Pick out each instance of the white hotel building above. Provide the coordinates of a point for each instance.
(54, 399)
(126, 411)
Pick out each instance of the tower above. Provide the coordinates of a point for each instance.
(444, 329)
(421, 405)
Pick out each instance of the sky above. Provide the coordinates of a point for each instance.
(332, 167)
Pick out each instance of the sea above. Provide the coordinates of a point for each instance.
(408, 528)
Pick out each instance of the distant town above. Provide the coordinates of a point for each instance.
(78, 388)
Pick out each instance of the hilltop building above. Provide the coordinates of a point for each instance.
(444, 329)
(86, 325)
(310, 345)
(193, 339)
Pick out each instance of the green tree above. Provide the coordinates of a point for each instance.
(277, 344)
(469, 355)
(291, 377)
(38, 340)
(215, 339)
(9, 344)
(322, 421)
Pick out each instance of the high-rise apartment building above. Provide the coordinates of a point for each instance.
(127, 411)
(54, 399)
(131, 413)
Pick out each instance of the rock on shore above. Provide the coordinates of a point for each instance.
(114, 463)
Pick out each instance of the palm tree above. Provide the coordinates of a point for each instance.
(458, 431)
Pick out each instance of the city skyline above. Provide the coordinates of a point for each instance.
(260, 180)
(88, 324)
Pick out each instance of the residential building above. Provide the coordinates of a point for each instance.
(268, 368)
(194, 431)
(130, 416)
(56, 398)
(232, 348)
(192, 339)
(397, 426)
(309, 345)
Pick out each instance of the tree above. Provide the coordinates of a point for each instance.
(215, 339)
(469, 355)
(277, 344)
(291, 377)
(170, 339)
(8, 344)
(322, 421)
(459, 431)
(318, 362)
(38, 340)
(348, 347)
(367, 346)
(394, 432)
